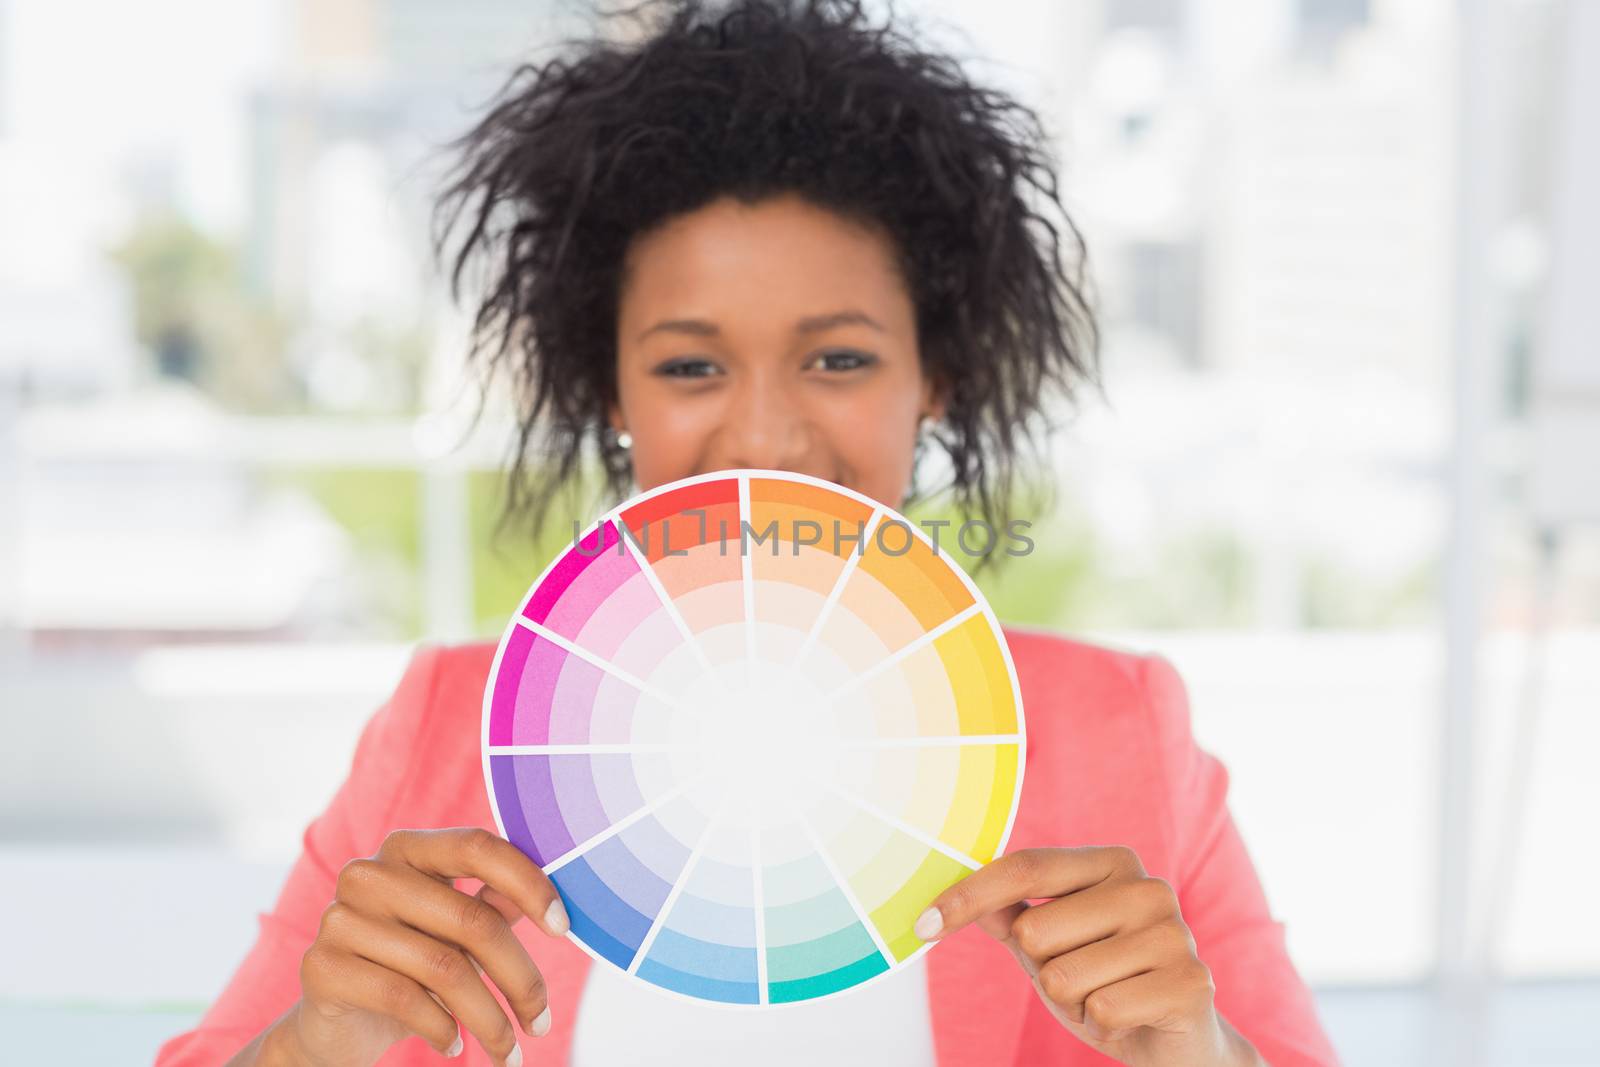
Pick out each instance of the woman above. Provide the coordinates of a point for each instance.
(777, 236)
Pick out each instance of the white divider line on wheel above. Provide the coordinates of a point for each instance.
(904, 827)
(672, 897)
(922, 641)
(758, 895)
(671, 607)
(844, 887)
(839, 583)
(598, 661)
(617, 827)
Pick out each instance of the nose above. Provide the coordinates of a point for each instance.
(764, 426)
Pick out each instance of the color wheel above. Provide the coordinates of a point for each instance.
(751, 724)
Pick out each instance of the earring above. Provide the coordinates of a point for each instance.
(615, 448)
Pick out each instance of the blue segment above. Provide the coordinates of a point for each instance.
(707, 959)
(640, 863)
(710, 920)
(599, 918)
(696, 986)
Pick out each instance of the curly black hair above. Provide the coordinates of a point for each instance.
(581, 154)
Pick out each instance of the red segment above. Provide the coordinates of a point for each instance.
(659, 525)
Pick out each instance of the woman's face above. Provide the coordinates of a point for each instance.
(778, 335)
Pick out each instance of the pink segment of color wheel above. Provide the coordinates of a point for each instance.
(751, 724)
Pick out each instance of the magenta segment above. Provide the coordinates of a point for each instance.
(571, 704)
(535, 690)
(580, 581)
(503, 709)
(611, 716)
(633, 608)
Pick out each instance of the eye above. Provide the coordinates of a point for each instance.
(688, 367)
(843, 359)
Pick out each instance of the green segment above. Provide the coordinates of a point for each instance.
(895, 916)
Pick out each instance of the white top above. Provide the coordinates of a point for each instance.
(884, 1023)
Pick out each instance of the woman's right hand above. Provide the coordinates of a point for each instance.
(400, 950)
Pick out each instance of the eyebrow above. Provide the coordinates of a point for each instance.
(809, 324)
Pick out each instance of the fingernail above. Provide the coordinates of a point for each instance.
(541, 1023)
(455, 1047)
(929, 923)
(515, 1059)
(555, 917)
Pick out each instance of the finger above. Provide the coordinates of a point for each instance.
(335, 975)
(539, 1025)
(477, 853)
(1071, 979)
(1167, 999)
(1030, 874)
(500, 902)
(449, 915)
(999, 924)
(441, 969)
(1059, 926)
(997, 919)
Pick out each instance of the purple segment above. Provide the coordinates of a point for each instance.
(509, 803)
(531, 791)
(572, 778)
(502, 713)
(551, 803)
(616, 785)
(580, 580)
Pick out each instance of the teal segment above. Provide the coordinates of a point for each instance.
(819, 955)
(822, 984)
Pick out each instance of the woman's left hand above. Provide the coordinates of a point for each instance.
(1109, 954)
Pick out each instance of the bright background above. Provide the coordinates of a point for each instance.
(1348, 479)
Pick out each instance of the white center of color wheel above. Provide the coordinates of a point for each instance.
(763, 743)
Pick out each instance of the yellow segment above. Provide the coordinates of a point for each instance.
(979, 678)
(993, 770)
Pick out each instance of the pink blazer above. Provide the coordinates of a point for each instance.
(1110, 760)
